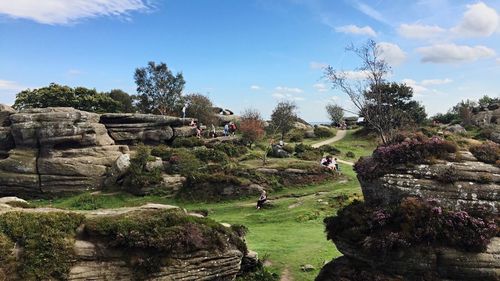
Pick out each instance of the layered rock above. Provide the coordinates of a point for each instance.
(94, 257)
(474, 184)
(57, 150)
(462, 185)
(130, 128)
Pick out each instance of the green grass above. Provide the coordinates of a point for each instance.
(285, 237)
(360, 147)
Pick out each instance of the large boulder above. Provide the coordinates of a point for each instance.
(5, 112)
(147, 128)
(185, 248)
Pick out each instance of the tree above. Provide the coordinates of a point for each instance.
(380, 105)
(200, 107)
(125, 101)
(251, 126)
(58, 95)
(159, 90)
(464, 110)
(284, 117)
(485, 101)
(335, 113)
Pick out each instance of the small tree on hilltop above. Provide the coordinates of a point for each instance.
(335, 113)
(159, 90)
(379, 105)
(283, 117)
(200, 107)
(125, 100)
(251, 126)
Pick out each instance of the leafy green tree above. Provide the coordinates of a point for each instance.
(335, 113)
(126, 101)
(159, 90)
(200, 107)
(64, 96)
(485, 101)
(464, 110)
(283, 117)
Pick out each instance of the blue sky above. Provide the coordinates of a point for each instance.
(252, 53)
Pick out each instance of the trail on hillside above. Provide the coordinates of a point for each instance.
(285, 275)
(340, 135)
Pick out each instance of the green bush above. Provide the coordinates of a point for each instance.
(447, 174)
(310, 155)
(162, 151)
(300, 148)
(259, 274)
(289, 148)
(87, 201)
(295, 135)
(328, 149)
(488, 152)
(322, 132)
(231, 150)
(211, 155)
(187, 142)
(162, 233)
(350, 154)
(183, 162)
(47, 250)
(138, 177)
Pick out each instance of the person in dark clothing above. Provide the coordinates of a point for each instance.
(262, 200)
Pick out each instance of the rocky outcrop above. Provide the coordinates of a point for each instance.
(474, 184)
(460, 184)
(130, 128)
(489, 118)
(57, 150)
(95, 257)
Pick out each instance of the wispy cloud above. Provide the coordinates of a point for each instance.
(320, 87)
(419, 31)
(288, 93)
(255, 87)
(391, 53)
(370, 11)
(431, 82)
(317, 65)
(6, 85)
(55, 12)
(422, 88)
(452, 53)
(354, 29)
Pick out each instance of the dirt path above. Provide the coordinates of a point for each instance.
(340, 135)
(285, 275)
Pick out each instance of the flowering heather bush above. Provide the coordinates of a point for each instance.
(413, 222)
(416, 150)
(488, 152)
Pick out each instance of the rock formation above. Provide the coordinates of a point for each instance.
(130, 128)
(459, 184)
(489, 118)
(96, 254)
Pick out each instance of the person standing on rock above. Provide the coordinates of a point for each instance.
(184, 108)
(226, 130)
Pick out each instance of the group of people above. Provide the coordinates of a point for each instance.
(230, 129)
(330, 163)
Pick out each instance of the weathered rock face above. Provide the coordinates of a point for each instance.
(129, 128)
(57, 150)
(95, 258)
(488, 116)
(475, 184)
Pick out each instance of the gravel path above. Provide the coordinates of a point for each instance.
(340, 135)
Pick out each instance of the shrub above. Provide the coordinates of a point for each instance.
(380, 230)
(310, 155)
(162, 151)
(47, 250)
(289, 148)
(300, 148)
(211, 155)
(251, 126)
(295, 135)
(485, 178)
(350, 154)
(138, 177)
(260, 273)
(328, 149)
(447, 174)
(322, 132)
(20, 204)
(488, 152)
(87, 201)
(162, 233)
(183, 162)
(231, 150)
(187, 142)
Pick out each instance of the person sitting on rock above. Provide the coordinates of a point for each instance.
(232, 128)
(262, 200)
(198, 130)
(327, 162)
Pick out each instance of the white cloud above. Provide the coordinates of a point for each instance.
(391, 53)
(320, 87)
(6, 85)
(478, 20)
(288, 90)
(287, 93)
(371, 12)
(430, 82)
(452, 53)
(68, 11)
(255, 87)
(354, 29)
(418, 89)
(317, 65)
(417, 31)
(356, 75)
